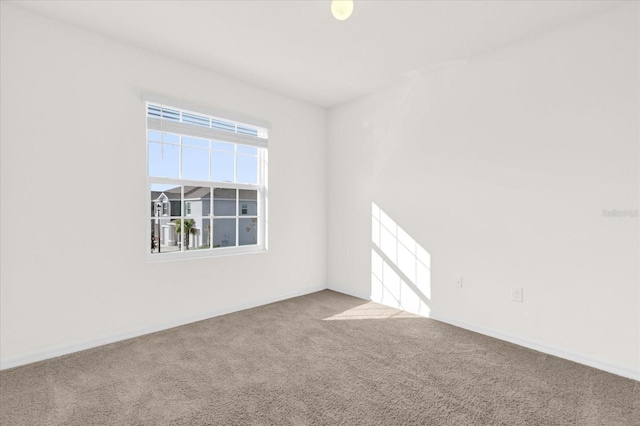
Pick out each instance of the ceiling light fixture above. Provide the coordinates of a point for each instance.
(341, 9)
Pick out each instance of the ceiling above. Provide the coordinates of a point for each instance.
(298, 49)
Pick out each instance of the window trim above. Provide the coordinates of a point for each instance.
(261, 213)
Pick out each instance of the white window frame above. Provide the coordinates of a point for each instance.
(260, 187)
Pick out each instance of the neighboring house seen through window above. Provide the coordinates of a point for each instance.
(215, 169)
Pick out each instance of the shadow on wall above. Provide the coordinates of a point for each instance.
(400, 267)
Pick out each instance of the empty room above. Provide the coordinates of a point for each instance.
(320, 212)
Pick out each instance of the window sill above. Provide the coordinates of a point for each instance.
(204, 253)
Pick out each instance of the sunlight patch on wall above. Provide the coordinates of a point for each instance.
(400, 267)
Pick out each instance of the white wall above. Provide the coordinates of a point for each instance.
(73, 139)
(500, 167)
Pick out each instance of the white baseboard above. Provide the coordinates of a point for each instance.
(541, 347)
(56, 351)
(349, 292)
(60, 350)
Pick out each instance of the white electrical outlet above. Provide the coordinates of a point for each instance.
(457, 282)
(516, 294)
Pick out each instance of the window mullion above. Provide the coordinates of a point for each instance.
(182, 215)
(235, 163)
(237, 217)
(210, 161)
(211, 188)
(180, 157)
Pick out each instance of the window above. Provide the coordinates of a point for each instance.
(208, 175)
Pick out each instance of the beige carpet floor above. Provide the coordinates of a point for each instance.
(320, 359)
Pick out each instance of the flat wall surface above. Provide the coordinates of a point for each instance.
(499, 168)
(74, 212)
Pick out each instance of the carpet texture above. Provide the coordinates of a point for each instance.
(320, 359)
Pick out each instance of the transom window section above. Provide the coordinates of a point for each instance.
(206, 184)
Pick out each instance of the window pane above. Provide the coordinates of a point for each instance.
(205, 234)
(191, 232)
(195, 163)
(248, 232)
(155, 230)
(197, 201)
(222, 146)
(247, 169)
(163, 160)
(163, 137)
(222, 166)
(224, 233)
(204, 143)
(250, 150)
(156, 202)
(153, 136)
(163, 231)
(165, 200)
(224, 125)
(170, 114)
(196, 119)
(247, 130)
(248, 202)
(224, 202)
